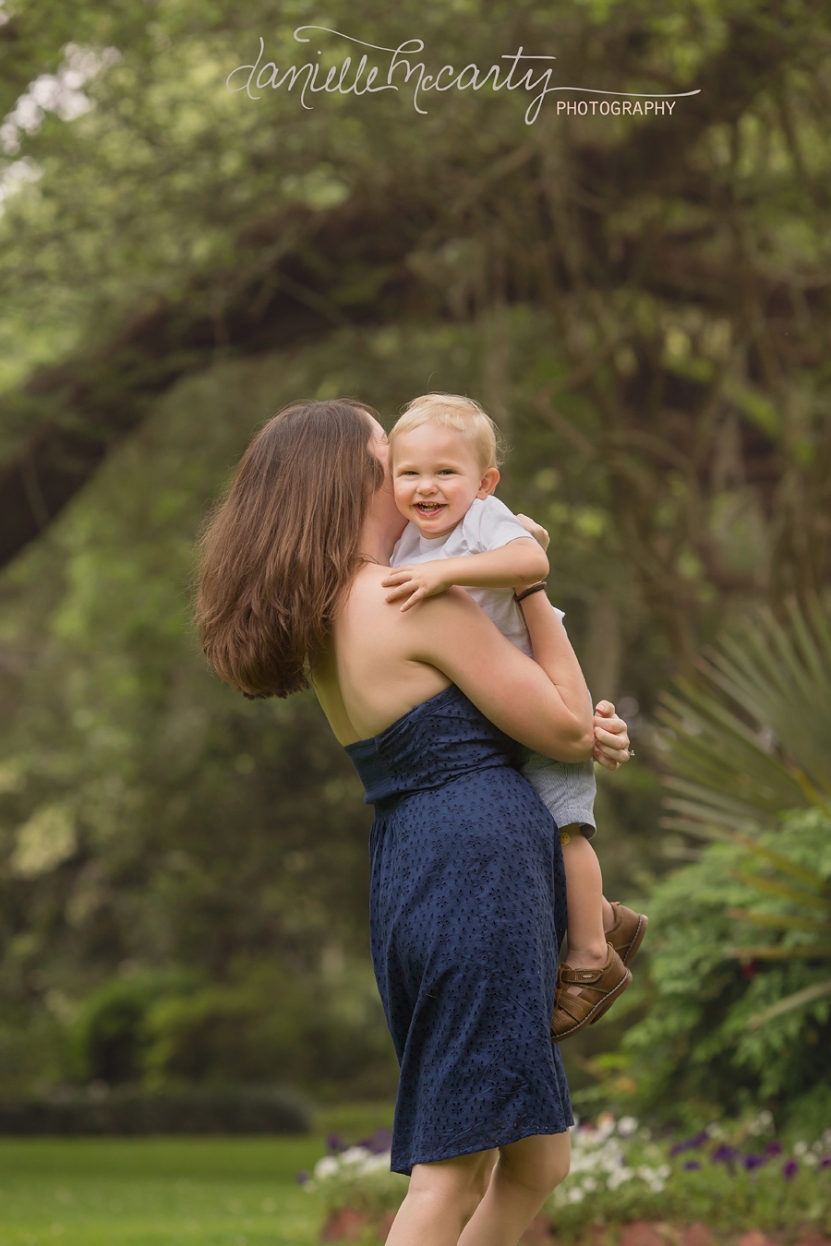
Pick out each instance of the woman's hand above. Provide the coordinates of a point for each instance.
(611, 737)
(537, 531)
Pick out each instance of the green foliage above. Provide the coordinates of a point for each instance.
(698, 1038)
(740, 997)
(109, 1034)
(273, 1026)
(127, 1110)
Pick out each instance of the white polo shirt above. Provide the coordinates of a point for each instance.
(488, 525)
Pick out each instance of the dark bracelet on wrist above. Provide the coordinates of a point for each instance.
(535, 588)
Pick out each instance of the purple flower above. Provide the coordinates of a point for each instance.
(754, 1161)
(335, 1144)
(302, 1178)
(723, 1155)
(380, 1141)
(790, 1170)
(825, 1162)
(692, 1165)
(690, 1144)
(773, 1148)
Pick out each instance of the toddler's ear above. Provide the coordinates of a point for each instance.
(488, 482)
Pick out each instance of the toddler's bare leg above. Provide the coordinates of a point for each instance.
(589, 913)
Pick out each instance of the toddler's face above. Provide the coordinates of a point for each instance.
(436, 476)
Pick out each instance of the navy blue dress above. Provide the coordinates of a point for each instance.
(467, 908)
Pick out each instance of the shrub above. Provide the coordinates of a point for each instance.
(716, 1029)
(108, 1037)
(249, 1110)
(163, 1030)
(273, 1024)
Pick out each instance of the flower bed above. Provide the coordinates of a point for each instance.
(731, 1182)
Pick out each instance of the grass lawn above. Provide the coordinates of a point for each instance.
(167, 1191)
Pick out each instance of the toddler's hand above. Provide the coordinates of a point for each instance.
(415, 582)
(611, 737)
(535, 530)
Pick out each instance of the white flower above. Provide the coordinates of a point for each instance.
(618, 1177)
(326, 1167)
(799, 1148)
(375, 1163)
(714, 1131)
(576, 1195)
(589, 1185)
(655, 1178)
(626, 1126)
(355, 1155)
(761, 1123)
(811, 1159)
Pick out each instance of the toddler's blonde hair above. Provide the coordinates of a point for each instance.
(457, 412)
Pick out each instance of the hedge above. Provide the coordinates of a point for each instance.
(250, 1110)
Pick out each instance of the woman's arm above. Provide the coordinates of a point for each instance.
(543, 703)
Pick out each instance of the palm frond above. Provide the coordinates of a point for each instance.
(774, 888)
(777, 951)
(784, 864)
(806, 996)
(779, 921)
(750, 734)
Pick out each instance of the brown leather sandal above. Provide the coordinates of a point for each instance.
(626, 936)
(600, 988)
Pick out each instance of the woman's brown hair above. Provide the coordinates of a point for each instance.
(283, 544)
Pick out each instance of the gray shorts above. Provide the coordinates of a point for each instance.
(567, 789)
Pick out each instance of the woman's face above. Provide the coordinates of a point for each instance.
(384, 499)
(380, 447)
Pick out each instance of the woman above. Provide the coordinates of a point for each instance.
(467, 899)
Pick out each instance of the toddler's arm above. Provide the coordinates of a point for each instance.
(515, 565)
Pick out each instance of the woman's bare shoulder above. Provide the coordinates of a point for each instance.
(368, 679)
(366, 605)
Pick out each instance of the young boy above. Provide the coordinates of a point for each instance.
(443, 453)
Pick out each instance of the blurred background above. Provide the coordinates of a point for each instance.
(642, 304)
